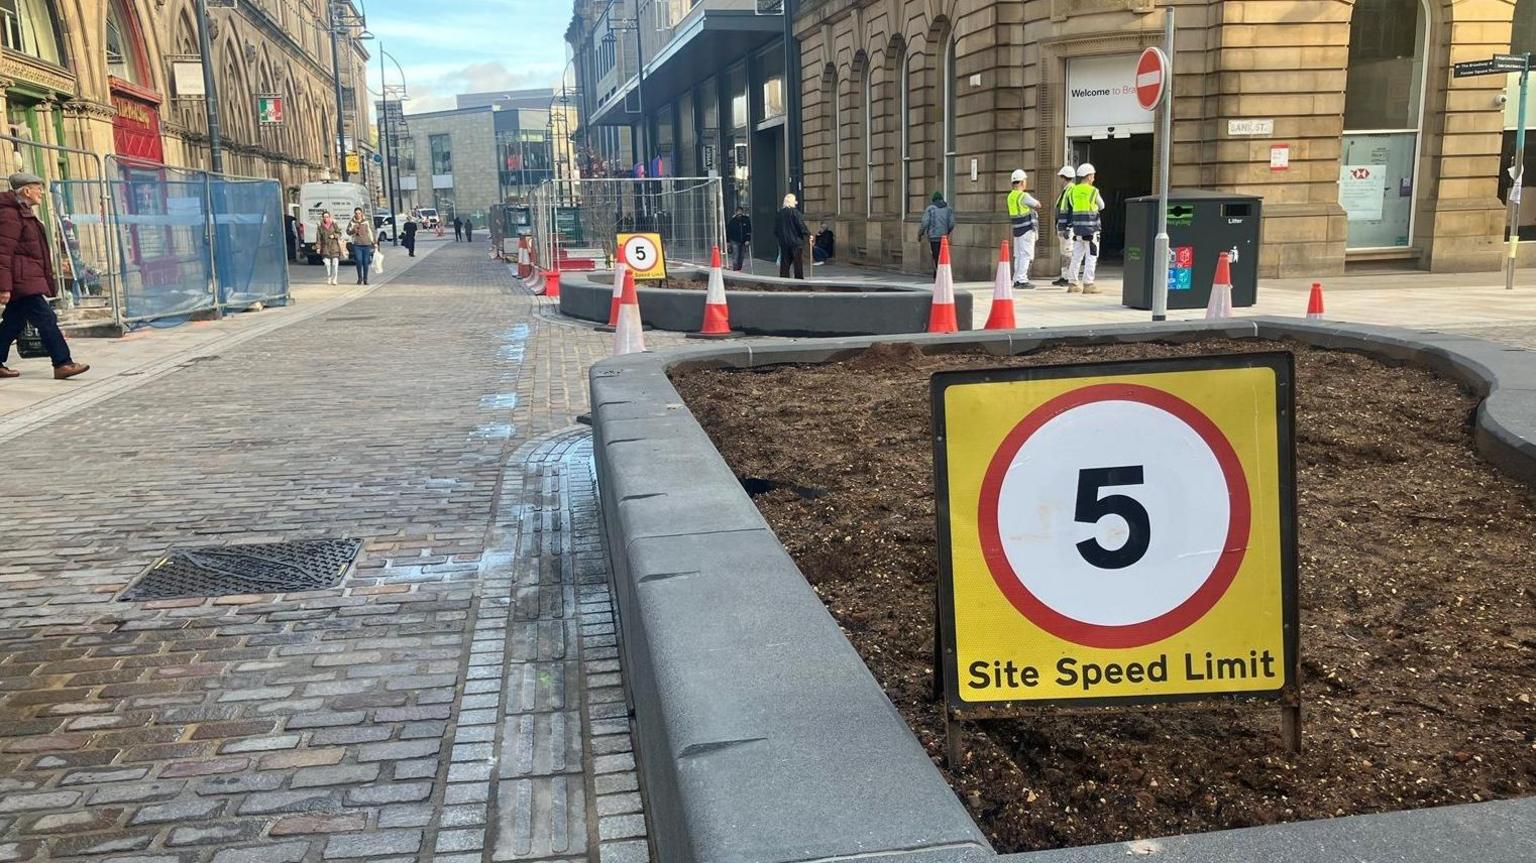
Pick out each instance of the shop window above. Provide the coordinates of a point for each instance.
(27, 26)
(1378, 165)
(122, 46)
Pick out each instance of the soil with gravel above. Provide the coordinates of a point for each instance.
(1418, 609)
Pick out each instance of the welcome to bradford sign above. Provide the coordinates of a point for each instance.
(1101, 94)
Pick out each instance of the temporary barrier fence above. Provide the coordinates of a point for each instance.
(572, 216)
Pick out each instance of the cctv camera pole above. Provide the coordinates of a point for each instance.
(1517, 173)
(1160, 245)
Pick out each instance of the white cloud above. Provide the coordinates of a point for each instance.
(433, 86)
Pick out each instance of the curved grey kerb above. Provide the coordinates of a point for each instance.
(761, 735)
(870, 309)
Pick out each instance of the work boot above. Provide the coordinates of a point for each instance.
(1060, 282)
(1025, 286)
(69, 370)
(8, 372)
(1075, 288)
(1090, 288)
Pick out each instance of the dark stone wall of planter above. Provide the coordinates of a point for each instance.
(763, 313)
(761, 735)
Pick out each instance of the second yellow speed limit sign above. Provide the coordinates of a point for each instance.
(1117, 532)
(643, 255)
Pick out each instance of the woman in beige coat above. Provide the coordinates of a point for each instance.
(360, 231)
(328, 245)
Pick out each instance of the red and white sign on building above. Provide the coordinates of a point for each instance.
(1151, 78)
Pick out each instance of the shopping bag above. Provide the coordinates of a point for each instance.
(378, 262)
(30, 344)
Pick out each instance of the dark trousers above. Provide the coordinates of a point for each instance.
(410, 244)
(934, 245)
(35, 310)
(791, 255)
(458, 234)
(738, 255)
(469, 235)
(363, 255)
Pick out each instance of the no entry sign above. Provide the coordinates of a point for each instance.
(1116, 532)
(1151, 78)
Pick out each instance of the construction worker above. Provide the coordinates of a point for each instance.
(1025, 223)
(1085, 204)
(1068, 174)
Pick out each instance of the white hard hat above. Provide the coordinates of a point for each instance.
(1067, 171)
(1085, 169)
(1018, 176)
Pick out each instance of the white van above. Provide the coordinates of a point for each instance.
(340, 199)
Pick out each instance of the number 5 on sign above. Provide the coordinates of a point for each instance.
(643, 254)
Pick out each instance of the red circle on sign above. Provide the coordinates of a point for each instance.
(1130, 635)
(1151, 78)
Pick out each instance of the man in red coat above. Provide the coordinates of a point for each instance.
(26, 277)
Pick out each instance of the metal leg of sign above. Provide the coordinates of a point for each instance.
(1290, 727)
(938, 652)
(954, 744)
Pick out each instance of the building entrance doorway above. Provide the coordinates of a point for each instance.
(768, 189)
(1125, 172)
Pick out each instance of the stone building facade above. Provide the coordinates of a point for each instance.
(95, 75)
(1344, 116)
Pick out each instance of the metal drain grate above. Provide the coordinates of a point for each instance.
(225, 570)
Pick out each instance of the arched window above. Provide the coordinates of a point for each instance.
(27, 26)
(869, 144)
(835, 96)
(123, 57)
(947, 161)
(904, 117)
(1383, 105)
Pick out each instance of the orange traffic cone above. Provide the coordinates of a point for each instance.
(1001, 317)
(717, 318)
(1315, 302)
(1220, 305)
(941, 317)
(619, 269)
(628, 337)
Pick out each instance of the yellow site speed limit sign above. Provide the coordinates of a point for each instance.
(643, 255)
(1116, 532)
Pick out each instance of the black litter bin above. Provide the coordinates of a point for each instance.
(1201, 225)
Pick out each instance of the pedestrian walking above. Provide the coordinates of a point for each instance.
(328, 245)
(469, 231)
(790, 230)
(1085, 205)
(27, 278)
(1068, 174)
(291, 232)
(408, 238)
(458, 230)
(938, 222)
(1024, 221)
(361, 233)
(738, 234)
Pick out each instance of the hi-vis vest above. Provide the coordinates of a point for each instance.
(1084, 202)
(1064, 208)
(1020, 215)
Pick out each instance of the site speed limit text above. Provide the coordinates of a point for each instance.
(1117, 531)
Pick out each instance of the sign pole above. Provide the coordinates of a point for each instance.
(1519, 179)
(1160, 245)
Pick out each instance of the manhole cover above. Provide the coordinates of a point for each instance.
(225, 570)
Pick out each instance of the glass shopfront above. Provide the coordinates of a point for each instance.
(1383, 103)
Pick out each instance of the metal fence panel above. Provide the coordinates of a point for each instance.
(688, 213)
(162, 226)
(250, 251)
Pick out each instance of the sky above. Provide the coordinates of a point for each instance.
(448, 47)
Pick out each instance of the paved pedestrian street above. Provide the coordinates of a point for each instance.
(456, 698)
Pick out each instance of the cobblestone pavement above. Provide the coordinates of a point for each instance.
(457, 698)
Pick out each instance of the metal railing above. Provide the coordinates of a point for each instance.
(570, 215)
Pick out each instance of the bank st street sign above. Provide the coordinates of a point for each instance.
(1116, 534)
(1498, 64)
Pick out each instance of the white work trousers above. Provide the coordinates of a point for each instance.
(1066, 256)
(1024, 254)
(1085, 260)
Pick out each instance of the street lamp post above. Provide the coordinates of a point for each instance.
(210, 90)
(386, 135)
(341, 113)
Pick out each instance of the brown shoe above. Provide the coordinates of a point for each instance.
(8, 372)
(69, 370)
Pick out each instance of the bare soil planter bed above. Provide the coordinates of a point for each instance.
(1418, 608)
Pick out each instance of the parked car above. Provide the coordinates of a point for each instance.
(429, 218)
(383, 229)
